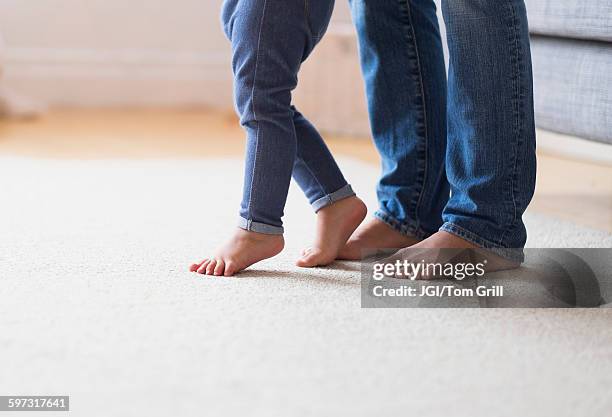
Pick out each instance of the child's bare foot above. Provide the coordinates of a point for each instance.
(241, 251)
(335, 223)
(374, 234)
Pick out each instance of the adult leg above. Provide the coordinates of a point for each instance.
(403, 67)
(490, 162)
(271, 39)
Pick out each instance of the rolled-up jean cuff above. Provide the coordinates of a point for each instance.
(257, 227)
(511, 254)
(342, 193)
(406, 228)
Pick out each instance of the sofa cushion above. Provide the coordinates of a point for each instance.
(580, 19)
(572, 87)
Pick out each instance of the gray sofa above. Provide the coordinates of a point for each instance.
(572, 59)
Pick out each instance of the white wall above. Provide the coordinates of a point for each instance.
(111, 52)
(118, 52)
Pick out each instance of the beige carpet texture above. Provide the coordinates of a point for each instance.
(96, 302)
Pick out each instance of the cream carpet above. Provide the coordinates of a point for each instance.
(96, 303)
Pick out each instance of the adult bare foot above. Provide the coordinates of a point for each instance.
(443, 248)
(374, 234)
(241, 251)
(335, 223)
(445, 240)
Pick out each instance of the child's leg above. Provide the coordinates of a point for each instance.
(266, 57)
(270, 39)
(339, 211)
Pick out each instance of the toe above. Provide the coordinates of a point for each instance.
(202, 267)
(306, 261)
(219, 268)
(230, 269)
(210, 268)
(311, 259)
(195, 267)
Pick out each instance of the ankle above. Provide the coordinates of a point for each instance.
(351, 204)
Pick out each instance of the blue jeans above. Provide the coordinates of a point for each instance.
(473, 136)
(270, 40)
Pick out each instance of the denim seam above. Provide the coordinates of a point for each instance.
(424, 111)
(307, 15)
(228, 27)
(314, 38)
(414, 56)
(517, 116)
(261, 24)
